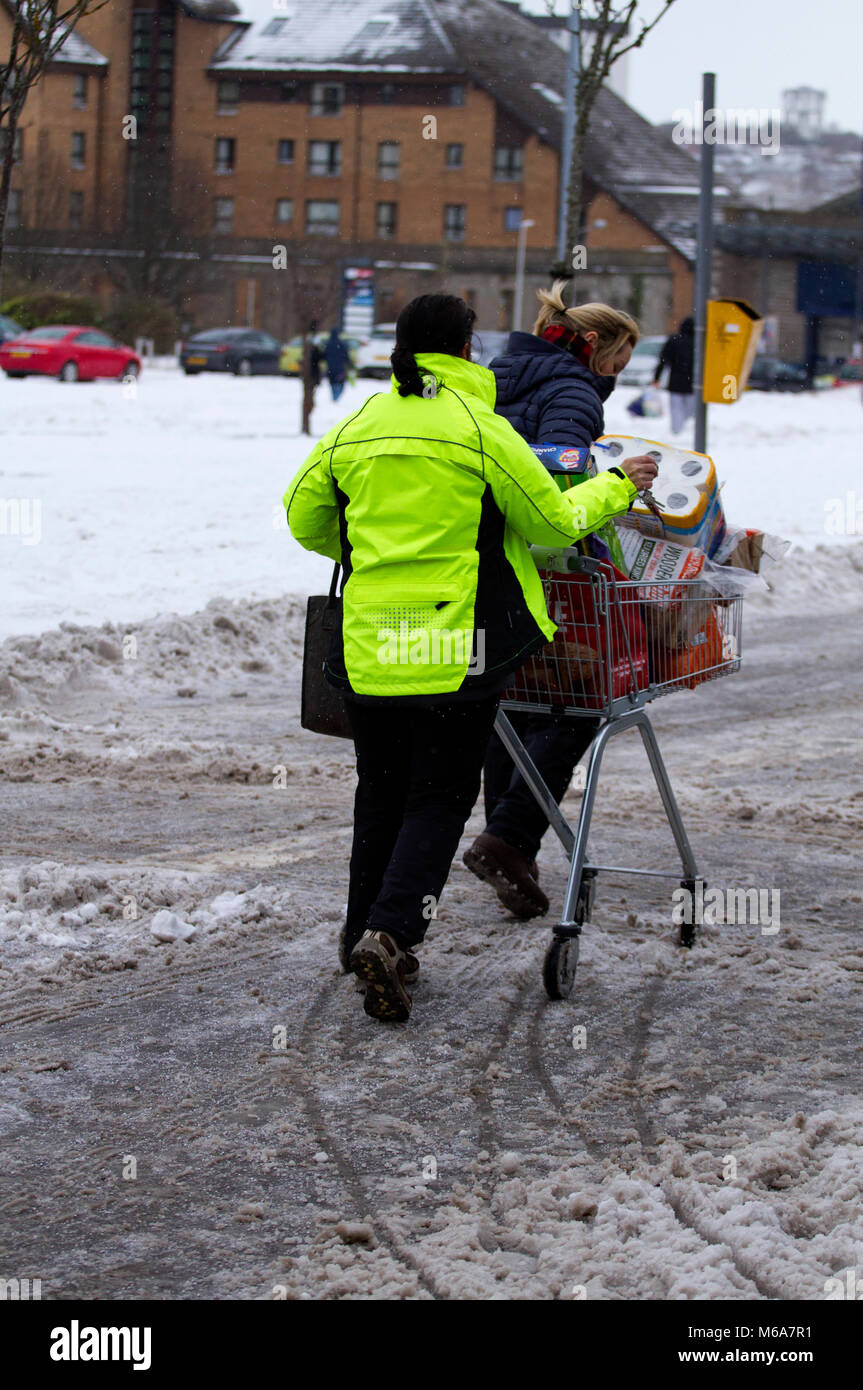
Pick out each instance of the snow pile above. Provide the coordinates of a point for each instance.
(788, 1221)
(164, 656)
(71, 921)
(828, 579)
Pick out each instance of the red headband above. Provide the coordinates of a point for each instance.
(570, 340)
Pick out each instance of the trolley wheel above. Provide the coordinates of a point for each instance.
(586, 894)
(688, 929)
(558, 970)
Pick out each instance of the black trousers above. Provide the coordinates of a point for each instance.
(419, 775)
(555, 744)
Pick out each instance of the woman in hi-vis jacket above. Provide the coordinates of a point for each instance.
(429, 500)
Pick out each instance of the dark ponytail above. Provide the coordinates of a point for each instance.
(406, 372)
(430, 323)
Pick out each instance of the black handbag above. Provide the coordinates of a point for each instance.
(322, 707)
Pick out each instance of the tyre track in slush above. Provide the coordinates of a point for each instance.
(336, 1146)
(647, 1011)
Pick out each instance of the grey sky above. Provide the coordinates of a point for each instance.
(756, 48)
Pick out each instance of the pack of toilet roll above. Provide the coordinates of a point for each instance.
(685, 488)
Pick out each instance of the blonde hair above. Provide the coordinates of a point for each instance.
(613, 327)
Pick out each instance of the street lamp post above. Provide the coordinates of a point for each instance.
(573, 73)
(523, 226)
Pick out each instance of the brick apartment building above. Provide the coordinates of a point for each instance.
(172, 146)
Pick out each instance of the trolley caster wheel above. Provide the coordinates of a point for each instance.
(688, 929)
(586, 895)
(558, 970)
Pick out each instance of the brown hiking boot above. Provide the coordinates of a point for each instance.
(379, 961)
(346, 945)
(509, 873)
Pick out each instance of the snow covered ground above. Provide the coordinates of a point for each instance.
(161, 500)
(701, 1139)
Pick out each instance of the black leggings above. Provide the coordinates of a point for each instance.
(555, 744)
(419, 775)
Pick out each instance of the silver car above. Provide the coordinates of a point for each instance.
(641, 368)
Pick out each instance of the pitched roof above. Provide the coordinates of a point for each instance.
(343, 35)
(211, 9)
(74, 49)
(503, 51)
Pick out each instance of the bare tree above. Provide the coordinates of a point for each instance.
(39, 30)
(609, 22)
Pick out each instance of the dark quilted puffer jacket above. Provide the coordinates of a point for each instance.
(546, 395)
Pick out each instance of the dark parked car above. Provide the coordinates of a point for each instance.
(243, 351)
(849, 374)
(770, 374)
(9, 328)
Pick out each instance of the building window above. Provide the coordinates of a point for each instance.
(274, 27)
(79, 149)
(76, 209)
(322, 218)
(454, 222)
(374, 28)
(328, 98)
(456, 96)
(389, 159)
(223, 219)
(225, 149)
(18, 147)
(228, 95)
(289, 91)
(386, 220)
(388, 93)
(286, 152)
(284, 209)
(13, 209)
(325, 158)
(512, 219)
(509, 162)
(455, 156)
(80, 97)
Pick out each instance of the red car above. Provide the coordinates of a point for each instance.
(69, 353)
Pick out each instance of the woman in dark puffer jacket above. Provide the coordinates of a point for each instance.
(551, 386)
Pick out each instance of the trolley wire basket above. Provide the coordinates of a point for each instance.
(620, 643)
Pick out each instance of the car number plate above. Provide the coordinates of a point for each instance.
(196, 361)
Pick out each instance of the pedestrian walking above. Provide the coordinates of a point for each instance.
(429, 500)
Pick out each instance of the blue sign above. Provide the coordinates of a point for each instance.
(825, 290)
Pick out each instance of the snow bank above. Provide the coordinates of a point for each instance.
(172, 654)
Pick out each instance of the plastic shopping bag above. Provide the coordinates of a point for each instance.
(649, 403)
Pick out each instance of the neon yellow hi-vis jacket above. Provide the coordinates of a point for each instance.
(430, 503)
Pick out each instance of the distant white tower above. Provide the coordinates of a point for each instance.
(803, 108)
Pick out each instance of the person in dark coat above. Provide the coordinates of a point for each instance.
(338, 360)
(678, 355)
(315, 359)
(551, 387)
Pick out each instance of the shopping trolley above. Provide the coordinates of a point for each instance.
(620, 644)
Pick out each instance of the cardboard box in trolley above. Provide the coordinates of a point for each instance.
(657, 561)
